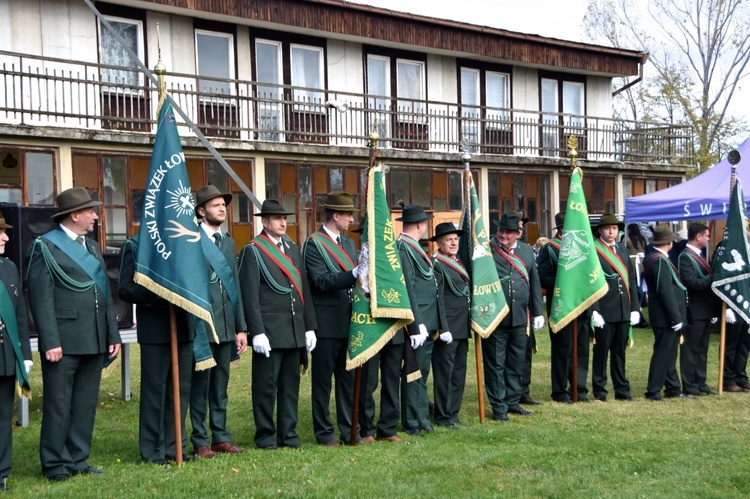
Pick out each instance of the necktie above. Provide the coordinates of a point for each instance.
(338, 240)
(281, 248)
(79, 240)
(217, 238)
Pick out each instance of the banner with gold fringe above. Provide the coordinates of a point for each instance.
(170, 237)
(381, 304)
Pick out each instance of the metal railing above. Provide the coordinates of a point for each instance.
(42, 91)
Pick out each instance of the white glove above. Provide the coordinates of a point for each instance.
(677, 327)
(538, 322)
(598, 319)
(447, 337)
(635, 318)
(714, 320)
(261, 345)
(28, 364)
(310, 340)
(731, 318)
(418, 339)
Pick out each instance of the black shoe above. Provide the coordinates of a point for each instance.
(584, 399)
(706, 393)
(601, 398)
(269, 447)
(458, 422)
(500, 416)
(627, 398)
(414, 432)
(88, 470)
(564, 401)
(526, 400)
(654, 398)
(448, 426)
(520, 411)
(62, 477)
(429, 429)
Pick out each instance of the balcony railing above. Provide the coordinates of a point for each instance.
(38, 91)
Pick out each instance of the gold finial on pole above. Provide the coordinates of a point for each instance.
(374, 136)
(572, 144)
(160, 69)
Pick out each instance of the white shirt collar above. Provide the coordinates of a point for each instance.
(662, 251)
(693, 248)
(209, 231)
(69, 232)
(328, 231)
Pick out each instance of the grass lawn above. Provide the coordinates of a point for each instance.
(676, 448)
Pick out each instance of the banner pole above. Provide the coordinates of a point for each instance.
(722, 345)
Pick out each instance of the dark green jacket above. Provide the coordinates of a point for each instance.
(9, 277)
(620, 299)
(422, 290)
(523, 298)
(455, 291)
(331, 291)
(283, 316)
(666, 300)
(81, 322)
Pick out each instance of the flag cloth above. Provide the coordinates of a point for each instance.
(732, 261)
(170, 237)
(579, 282)
(380, 305)
(488, 305)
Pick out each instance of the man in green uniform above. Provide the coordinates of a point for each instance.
(75, 318)
(209, 387)
(281, 319)
(330, 260)
(451, 349)
(667, 301)
(15, 351)
(504, 350)
(423, 296)
(156, 430)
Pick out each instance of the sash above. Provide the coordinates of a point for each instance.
(555, 243)
(416, 247)
(282, 261)
(615, 261)
(8, 317)
(218, 262)
(76, 252)
(452, 263)
(699, 261)
(512, 259)
(651, 258)
(330, 247)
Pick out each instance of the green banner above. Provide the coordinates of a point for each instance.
(732, 262)
(579, 282)
(488, 306)
(381, 304)
(170, 237)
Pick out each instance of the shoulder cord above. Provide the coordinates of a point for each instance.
(56, 272)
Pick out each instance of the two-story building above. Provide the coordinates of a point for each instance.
(288, 92)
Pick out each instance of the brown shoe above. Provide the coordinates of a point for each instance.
(331, 443)
(745, 387)
(227, 447)
(368, 440)
(392, 438)
(204, 452)
(733, 389)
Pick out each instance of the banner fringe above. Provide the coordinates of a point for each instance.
(366, 355)
(205, 364)
(557, 326)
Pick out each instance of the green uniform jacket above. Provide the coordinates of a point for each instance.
(226, 321)
(331, 292)
(522, 297)
(666, 300)
(152, 312)
(282, 316)
(456, 293)
(9, 277)
(423, 291)
(83, 322)
(696, 276)
(620, 299)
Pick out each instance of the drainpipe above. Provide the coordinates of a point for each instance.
(637, 80)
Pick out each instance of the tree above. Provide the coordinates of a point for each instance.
(699, 53)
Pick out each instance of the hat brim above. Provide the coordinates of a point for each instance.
(341, 209)
(438, 236)
(426, 216)
(88, 204)
(227, 200)
(500, 225)
(669, 239)
(268, 214)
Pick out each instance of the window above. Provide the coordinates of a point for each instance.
(268, 70)
(484, 92)
(215, 56)
(497, 100)
(114, 181)
(379, 91)
(410, 89)
(470, 111)
(307, 71)
(112, 53)
(563, 109)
